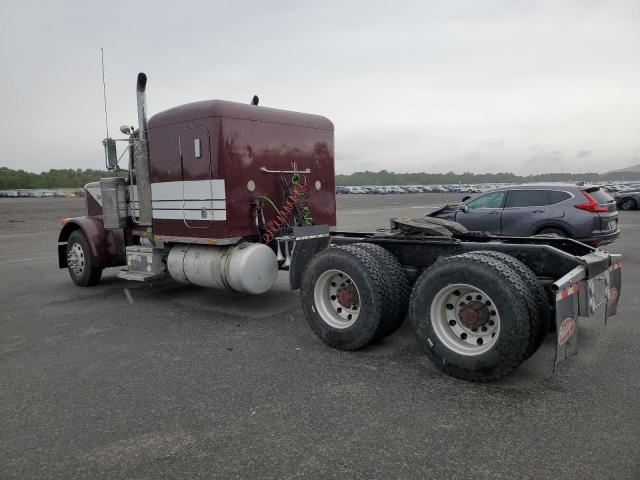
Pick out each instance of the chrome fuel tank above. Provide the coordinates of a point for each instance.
(247, 268)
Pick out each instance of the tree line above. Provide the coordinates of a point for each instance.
(75, 178)
(385, 177)
(55, 178)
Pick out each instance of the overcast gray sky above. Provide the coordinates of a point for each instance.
(518, 85)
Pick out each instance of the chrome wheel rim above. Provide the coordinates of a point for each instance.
(75, 259)
(465, 319)
(337, 299)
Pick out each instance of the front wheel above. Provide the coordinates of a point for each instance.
(79, 261)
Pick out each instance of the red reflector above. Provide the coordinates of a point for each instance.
(591, 205)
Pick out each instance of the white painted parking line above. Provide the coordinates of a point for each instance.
(28, 259)
(29, 234)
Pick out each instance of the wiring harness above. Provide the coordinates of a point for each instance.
(295, 206)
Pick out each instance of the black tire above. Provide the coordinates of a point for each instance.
(627, 204)
(510, 297)
(388, 304)
(553, 231)
(84, 274)
(399, 288)
(365, 273)
(539, 310)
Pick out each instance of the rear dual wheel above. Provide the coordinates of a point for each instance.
(474, 316)
(537, 298)
(477, 316)
(355, 294)
(343, 296)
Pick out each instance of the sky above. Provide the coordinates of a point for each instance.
(477, 85)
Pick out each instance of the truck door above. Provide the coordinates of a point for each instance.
(482, 213)
(197, 193)
(524, 211)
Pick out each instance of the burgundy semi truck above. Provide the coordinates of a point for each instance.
(225, 195)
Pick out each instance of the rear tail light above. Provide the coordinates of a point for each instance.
(591, 205)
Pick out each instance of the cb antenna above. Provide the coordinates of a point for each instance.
(104, 93)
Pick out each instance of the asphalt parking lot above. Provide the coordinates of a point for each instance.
(162, 380)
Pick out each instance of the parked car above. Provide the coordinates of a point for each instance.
(628, 200)
(583, 212)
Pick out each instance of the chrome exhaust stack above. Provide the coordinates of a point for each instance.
(141, 87)
(141, 156)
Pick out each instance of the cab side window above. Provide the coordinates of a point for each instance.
(489, 200)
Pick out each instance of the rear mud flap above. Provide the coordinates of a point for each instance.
(567, 311)
(615, 286)
(577, 295)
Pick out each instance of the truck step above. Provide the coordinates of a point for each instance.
(127, 274)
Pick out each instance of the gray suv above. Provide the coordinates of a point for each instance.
(583, 212)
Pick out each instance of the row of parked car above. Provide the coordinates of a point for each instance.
(622, 187)
(626, 194)
(30, 194)
(385, 190)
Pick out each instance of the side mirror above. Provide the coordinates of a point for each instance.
(110, 153)
(464, 208)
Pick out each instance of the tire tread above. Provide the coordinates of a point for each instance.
(539, 309)
(398, 284)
